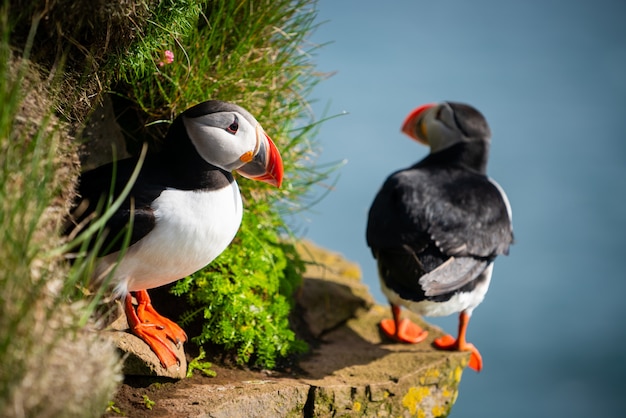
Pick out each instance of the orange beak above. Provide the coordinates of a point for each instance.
(413, 125)
(265, 164)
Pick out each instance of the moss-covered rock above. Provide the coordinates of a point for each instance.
(355, 373)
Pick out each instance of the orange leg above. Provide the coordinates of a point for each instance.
(153, 328)
(402, 330)
(447, 342)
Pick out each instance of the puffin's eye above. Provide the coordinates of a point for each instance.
(233, 127)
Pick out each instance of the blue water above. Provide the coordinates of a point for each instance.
(550, 76)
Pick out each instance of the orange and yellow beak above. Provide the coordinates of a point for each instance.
(264, 163)
(414, 126)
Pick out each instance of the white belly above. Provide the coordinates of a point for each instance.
(459, 302)
(192, 229)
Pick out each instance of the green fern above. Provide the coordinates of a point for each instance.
(245, 296)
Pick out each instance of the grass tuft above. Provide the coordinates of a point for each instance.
(43, 330)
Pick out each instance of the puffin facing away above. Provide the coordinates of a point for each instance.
(185, 207)
(436, 227)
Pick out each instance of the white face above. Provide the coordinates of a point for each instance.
(223, 139)
(441, 127)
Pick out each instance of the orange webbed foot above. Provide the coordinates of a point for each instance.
(153, 328)
(402, 330)
(158, 341)
(147, 315)
(406, 332)
(448, 342)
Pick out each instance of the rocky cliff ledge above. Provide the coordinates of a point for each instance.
(352, 372)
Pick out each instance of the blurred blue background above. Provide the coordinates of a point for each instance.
(550, 76)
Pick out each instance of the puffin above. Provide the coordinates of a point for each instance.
(183, 210)
(436, 227)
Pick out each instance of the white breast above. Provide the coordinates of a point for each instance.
(192, 228)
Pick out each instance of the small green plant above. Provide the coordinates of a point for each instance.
(149, 403)
(111, 407)
(203, 366)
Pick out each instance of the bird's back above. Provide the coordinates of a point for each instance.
(427, 214)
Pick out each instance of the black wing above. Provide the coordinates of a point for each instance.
(469, 217)
(101, 186)
(442, 227)
(465, 215)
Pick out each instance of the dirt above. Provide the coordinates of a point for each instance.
(136, 394)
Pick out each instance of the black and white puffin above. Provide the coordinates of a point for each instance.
(436, 227)
(186, 208)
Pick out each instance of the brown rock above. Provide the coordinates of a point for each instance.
(357, 372)
(332, 292)
(139, 359)
(103, 138)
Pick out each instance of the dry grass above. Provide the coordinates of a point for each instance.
(43, 335)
